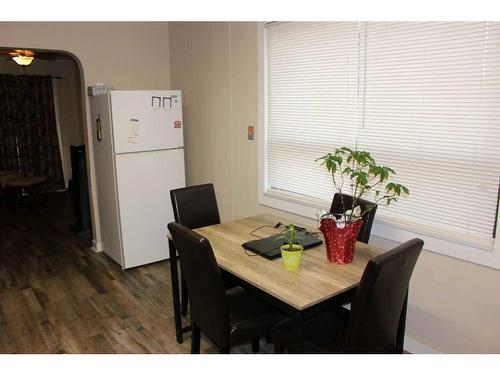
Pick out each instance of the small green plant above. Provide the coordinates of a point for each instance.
(363, 175)
(289, 235)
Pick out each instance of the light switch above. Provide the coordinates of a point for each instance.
(251, 133)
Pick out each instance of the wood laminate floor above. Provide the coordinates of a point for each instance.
(58, 296)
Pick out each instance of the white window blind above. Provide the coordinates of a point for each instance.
(423, 98)
(312, 73)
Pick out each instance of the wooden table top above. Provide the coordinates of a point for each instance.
(315, 281)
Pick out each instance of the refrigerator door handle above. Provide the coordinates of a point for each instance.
(98, 128)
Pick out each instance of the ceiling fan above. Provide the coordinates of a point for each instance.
(25, 57)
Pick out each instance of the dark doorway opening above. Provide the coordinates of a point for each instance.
(42, 145)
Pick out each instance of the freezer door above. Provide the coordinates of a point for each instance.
(146, 120)
(144, 182)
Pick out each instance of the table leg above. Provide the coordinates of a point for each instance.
(400, 336)
(175, 292)
(298, 333)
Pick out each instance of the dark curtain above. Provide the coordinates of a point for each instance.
(28, 130)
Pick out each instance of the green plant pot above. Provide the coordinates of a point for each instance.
(291, 259)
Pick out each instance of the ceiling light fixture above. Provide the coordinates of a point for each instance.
(23, 60)
(22, 57)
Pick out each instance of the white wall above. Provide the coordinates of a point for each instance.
(454, 305)
(214, 64)
(128, 55)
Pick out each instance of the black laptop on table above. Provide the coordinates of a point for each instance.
(269, 247)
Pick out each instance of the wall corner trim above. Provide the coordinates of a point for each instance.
(96, 246)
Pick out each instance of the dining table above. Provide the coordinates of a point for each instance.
(318, 285)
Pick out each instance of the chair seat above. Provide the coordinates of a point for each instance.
(323, 333)
(26, 182)
(5, 173)
(4, 180)
(249, 317)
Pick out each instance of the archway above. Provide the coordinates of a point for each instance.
(66, 72)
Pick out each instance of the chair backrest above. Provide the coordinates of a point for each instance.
(366, 228)
(376, 308)
(207, 298)
(195, 206)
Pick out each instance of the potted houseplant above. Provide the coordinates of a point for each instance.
(363, 176)
(291, 252)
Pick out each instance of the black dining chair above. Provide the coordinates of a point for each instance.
(337, 208)
(196, 207)
(226, 317)
(371, 326)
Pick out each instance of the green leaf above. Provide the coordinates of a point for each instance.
(329, 164)
(347, 170)
(324, 158)
(337, 159)
(346, 150)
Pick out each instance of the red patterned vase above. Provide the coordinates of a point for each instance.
(340, 242)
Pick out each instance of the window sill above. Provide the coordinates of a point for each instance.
(482, 255)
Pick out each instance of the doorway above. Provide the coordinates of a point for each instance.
(42, 150)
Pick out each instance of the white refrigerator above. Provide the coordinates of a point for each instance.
(139, 157)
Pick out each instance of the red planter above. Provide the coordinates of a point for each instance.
(340, 242)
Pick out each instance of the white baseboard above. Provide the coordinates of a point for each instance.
(96, 246)
(416, 347)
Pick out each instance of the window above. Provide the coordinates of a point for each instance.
(422, 97)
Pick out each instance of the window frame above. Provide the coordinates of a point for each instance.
(483, 254)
